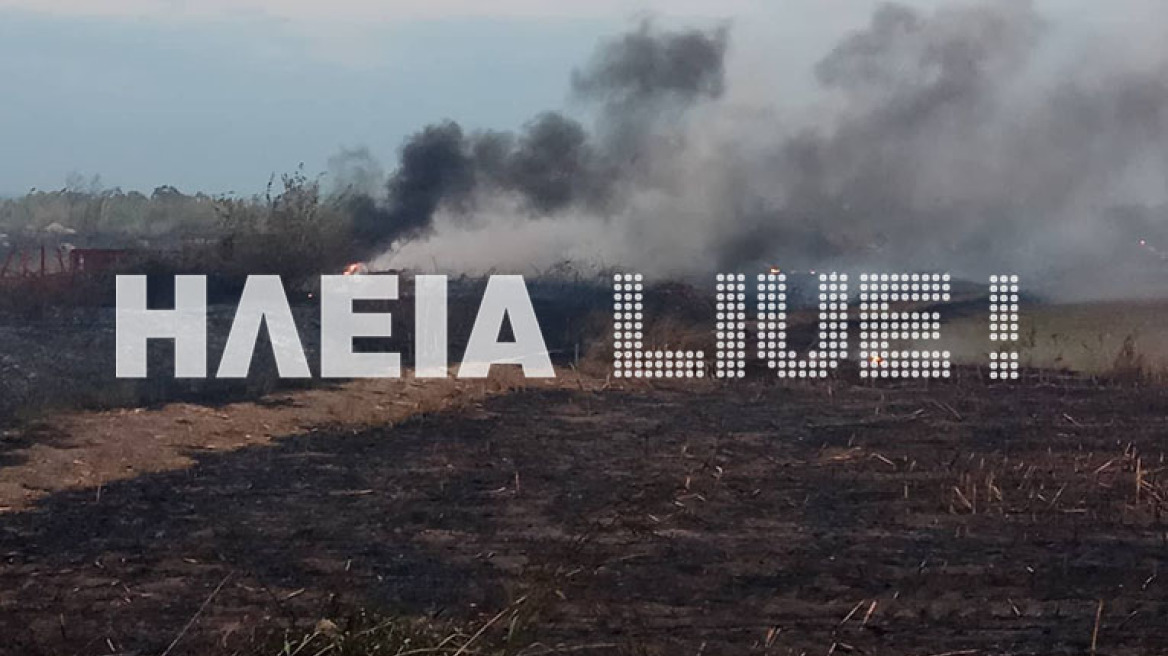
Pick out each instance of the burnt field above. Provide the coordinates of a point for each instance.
(583, 516)
(852, 223)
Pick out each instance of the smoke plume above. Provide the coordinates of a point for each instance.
(553, 164)
(946, 140)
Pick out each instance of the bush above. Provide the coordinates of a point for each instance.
(295, 233)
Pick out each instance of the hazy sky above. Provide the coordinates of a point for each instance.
(215, 95)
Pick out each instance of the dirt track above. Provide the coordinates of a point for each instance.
(977, 519)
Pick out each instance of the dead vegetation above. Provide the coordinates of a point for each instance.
(750, 517)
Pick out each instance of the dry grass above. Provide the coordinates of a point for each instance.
(362, 633)
(1124, 340)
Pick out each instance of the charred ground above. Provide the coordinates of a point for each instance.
(956, 517)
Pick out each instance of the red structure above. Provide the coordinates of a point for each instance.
(42, 261)
(90, 260)
(33, 262)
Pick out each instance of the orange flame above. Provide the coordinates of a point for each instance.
(354, 269)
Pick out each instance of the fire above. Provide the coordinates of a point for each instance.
(1163, 256)
(875, 359)
(354, 269)
(774, 271)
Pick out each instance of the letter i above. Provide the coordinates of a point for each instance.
(1003, 327)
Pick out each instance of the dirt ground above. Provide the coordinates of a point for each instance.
(953, 517)
(93, 449)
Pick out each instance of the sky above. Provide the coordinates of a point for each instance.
(217, 95)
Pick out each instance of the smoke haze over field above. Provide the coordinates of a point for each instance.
(947, 139)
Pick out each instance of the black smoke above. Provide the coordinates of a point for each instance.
(553, 163)
(648, 66)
